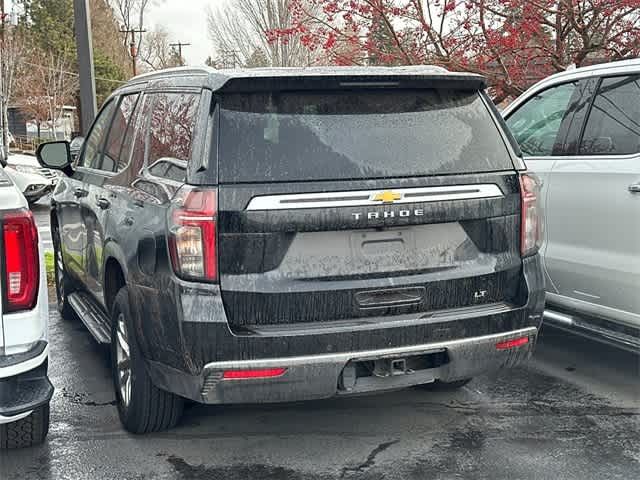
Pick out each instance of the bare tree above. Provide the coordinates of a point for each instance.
(13, 51)
(131, 16)
(45, 87)
(241, 30)
(156, 52)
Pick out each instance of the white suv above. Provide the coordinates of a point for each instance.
(25, 390)
(579, 131)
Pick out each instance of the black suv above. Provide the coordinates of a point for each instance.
(288, 234)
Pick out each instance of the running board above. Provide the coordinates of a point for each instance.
(92, 316)
(582, 326)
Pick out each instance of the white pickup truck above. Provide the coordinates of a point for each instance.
(25, 390)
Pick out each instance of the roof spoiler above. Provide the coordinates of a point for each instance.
(449, 81)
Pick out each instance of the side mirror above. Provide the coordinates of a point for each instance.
(55, 155)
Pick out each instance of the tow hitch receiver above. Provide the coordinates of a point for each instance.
(388, 373)
(390, 367)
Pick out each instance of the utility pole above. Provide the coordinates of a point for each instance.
(133, 48)
(229, 58)
(179, 46)
(85, 64)
(3, 99)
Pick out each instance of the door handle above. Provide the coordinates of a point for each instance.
(634, 188)
(103, 203)
(80, 192)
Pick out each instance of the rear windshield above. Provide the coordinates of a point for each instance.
(298, 136)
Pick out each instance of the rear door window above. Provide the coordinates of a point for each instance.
(291, 136)
(172, 126)
(613, 127)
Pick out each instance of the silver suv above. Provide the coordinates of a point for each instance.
(579, 131)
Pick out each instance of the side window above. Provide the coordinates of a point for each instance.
(118, 146)
(172, 126)
(139, 140)
(535, 125)
(172, 170)
(613, 126)
(95, 141)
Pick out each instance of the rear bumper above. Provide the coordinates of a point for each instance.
(319, 376)
(23, 392)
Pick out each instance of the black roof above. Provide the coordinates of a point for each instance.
(260, 79)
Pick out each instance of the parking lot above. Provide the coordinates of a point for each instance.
(572, 413)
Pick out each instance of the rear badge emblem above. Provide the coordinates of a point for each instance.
(480, 294)
(388, 196)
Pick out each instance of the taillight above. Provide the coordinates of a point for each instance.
(193, 234)
(509, 344)
(21, 261)
(531, 224)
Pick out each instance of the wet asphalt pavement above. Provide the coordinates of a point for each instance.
(572, 413)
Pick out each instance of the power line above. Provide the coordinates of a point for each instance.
(72, 73)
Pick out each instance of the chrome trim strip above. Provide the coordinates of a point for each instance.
(344, 357)
(366, 197)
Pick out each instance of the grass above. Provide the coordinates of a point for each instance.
(48, 262)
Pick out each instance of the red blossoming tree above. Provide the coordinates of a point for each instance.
(512, 42)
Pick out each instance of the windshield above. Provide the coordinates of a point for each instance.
(354, 135)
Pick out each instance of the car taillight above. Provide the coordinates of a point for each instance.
(193, 234)
(531, 224)
(21, 261)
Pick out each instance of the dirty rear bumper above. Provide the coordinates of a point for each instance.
(320, 376)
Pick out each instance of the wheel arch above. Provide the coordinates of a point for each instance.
(115, 275)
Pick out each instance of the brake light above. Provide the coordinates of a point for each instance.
(246, 374)
(193, 234)
(518, 342)
(531, 223)
(21, 261)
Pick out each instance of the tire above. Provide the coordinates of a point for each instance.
(439, 386)
(29, 431)
(142, 407)
(64, 285)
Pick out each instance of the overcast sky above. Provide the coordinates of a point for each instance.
(186, 22)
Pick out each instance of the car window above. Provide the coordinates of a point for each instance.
(118, 147)
(536, 123)
(139, 138)
(95, 141)
(613, 127)
(293, 136)
(177, 173)
(158, 169)
(169, 170)
(172, 126)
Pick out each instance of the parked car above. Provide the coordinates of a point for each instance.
(579, 132)
(25, 390)
(279, 235)
(33, 180)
